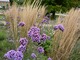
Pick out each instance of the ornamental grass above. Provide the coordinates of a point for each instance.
(30, 14)
(64, 42)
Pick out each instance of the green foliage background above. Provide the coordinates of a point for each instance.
(55, 5)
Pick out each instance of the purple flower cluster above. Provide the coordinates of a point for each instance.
(7, 23)
(21, 48)
(33, 30)
(17, 55)
(36, 37)
(40, 49)
(33, 55)
(55, 27)
(34, 33)
(59, 26)
(45, 20)
(14, 55)
(21, 24)
(49, 58)
(23, 41)
(10, 54)
(44, 37)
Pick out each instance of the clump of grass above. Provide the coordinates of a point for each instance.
(28, 13)
(75, 55)
(64, 42)
(11, 17)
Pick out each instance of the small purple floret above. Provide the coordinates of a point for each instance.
(21, 24)
(18, 55)
(36, 37)
(7, 23)
(10, 54)
(23, 41)
(33, 30)
(21, 48)
(56, 27)
(34, 34)
(49, 58)
(40, 49)
(33, 55)
(44, 37)
(61, 27)
(44, 21)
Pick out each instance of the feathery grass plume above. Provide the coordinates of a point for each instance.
(64, 42)
(30, 12)
(27, 14)
(11, 17)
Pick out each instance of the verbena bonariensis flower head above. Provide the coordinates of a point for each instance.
(33, 55)
(36, 37)
(30, 32)
(21, 48)
(21, 24)
(44, 37)
(45, 20)
(18, 55)
(40, 49)
(56, 27)
(33, 30)
(34, 33)
(59, 26)
(49, 58)
(23, 41)
(7, 23)
(10, 54)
